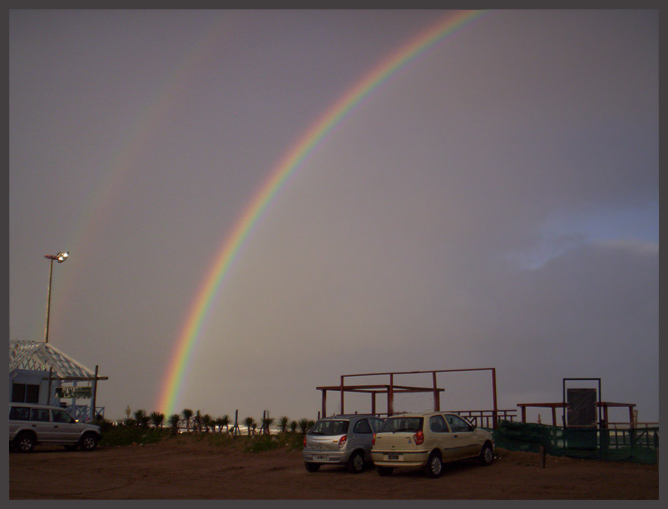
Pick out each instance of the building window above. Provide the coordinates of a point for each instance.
(25, 393)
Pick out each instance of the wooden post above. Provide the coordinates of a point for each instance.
(235, 429)
(93, 396)
(48, 391)
(437, 396)
(390, 396)
(494, 419)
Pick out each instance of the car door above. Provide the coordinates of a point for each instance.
(65, 428)
(361, 436)
(468, 444)
(40, 422)
(19, 418)
(446, 442)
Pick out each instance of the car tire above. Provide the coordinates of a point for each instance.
(356, 462)
(487, 454)
(24, 442)
(312, 467)
(434, 466)
(88, 442)
(384, 471)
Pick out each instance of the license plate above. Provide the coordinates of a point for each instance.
(392, 456)
(320, 458)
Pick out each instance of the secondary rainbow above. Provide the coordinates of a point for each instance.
(104, 196)
(286, 167)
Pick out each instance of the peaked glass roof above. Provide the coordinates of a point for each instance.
(39, 356)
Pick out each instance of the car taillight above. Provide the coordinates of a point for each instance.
(373, 440)
(304, 440)
(418, 437)
(342, 441)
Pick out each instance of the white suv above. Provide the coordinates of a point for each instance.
(49, 425)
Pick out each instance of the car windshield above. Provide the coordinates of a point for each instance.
(329, 427)
(398, 424)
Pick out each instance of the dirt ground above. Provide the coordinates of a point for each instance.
(201, 471)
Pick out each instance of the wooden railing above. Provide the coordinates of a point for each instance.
(480, 418)
(487, 418)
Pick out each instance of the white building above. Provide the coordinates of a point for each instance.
(40, 373)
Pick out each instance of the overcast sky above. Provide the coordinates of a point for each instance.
(494, 204)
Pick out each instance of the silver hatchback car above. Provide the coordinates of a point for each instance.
(340, 440)
(30, 425)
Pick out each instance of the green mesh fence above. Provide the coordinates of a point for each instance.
(639, 445)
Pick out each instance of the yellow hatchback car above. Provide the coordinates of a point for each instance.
(428, 440)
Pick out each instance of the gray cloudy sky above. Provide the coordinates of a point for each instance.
(494, 204)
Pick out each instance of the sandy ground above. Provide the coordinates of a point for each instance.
(171, 470)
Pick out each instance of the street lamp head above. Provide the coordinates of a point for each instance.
(60, 257)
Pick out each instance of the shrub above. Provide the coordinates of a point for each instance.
(129, 435)
(261, 443)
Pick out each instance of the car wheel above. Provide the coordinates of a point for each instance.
(88, 442)
(434, 466)
(24, 442)
(384, 471)
(487, 454)
(312, 467)
(356, 462)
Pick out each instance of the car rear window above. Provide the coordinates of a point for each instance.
(398, 424)
(329, 428)
(19, 413)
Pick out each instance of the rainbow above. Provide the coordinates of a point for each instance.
(286, 167)
(103, 197)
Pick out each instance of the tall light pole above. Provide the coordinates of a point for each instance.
(60, 258)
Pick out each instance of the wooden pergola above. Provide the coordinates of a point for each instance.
(605, 405)
(390, 389)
